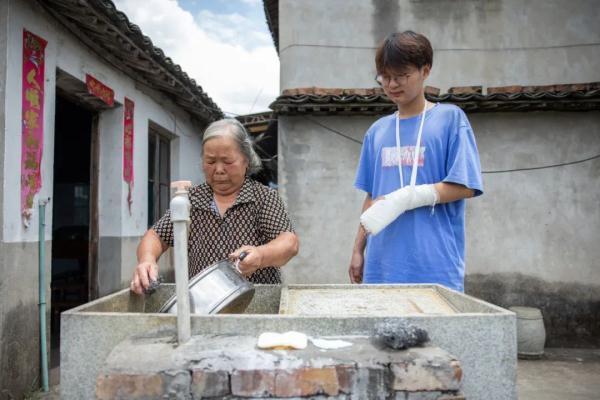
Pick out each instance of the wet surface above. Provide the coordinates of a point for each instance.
(364, 301)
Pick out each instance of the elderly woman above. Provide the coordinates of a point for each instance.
(230, 214)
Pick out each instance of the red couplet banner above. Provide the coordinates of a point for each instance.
(100, 90)
(32, 120)
(128, 148)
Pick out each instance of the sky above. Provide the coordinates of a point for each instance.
(225, 45)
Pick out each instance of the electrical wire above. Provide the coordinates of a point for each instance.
(489, 49)
(542, 167)
(501, 171)
(334, 131)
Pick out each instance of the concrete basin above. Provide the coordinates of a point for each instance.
(482, 336)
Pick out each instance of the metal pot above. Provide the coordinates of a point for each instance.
(220, 288)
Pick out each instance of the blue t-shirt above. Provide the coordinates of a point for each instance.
(422, 245)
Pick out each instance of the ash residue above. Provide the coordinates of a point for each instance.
(399, 335)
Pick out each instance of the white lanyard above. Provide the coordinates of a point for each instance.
(416, 155)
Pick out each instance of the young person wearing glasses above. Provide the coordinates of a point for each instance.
(417, 167)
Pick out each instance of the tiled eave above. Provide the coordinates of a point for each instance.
(320, 101)
(108, 32)
(271, 8)
(258, 122)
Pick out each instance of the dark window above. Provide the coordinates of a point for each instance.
(159, 175)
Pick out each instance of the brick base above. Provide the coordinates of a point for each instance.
(231, 367)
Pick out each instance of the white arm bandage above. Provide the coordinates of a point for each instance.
(384, 211)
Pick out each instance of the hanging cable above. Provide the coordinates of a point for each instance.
(500, 171)
(334, 131)
(542, 167)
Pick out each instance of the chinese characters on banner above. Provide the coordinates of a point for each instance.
(32, 133)
(100, 90)
(128, 149)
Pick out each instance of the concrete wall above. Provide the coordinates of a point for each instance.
(3, 61)
(499, 42)
(119, 230)
(19, 318)
(316, 176)
(532, 238)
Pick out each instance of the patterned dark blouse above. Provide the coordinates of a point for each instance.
(256, 217)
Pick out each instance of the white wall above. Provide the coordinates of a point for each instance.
(64, 51)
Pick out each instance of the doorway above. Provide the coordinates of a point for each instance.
(71, 209)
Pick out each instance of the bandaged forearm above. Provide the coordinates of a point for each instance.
(386, 210)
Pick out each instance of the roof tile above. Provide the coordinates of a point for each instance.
(465, 89)
(372, 101)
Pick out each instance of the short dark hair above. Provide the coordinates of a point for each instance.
(402, 49)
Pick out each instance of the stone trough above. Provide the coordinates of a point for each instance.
(480, 335)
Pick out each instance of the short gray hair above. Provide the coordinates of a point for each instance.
(233, 128)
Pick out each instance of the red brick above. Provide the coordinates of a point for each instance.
(360, 92)
(466, 90)
(576, 87)
(546, 88)
(128, 386)
(505, 89)
(307, 90)
(421, 375)
(564, 88)
(432, 91)
(321, 91)
(210, 383)
(376, 382)
(346, 376)
(336, 91)
(307, 382)
(537, 89)
(580, 87)
(254, 383)
(593, 86)
(529, 89)
(290, 92)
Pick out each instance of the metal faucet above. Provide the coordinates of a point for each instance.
(180, 216)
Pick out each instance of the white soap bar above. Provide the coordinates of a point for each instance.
(330, 343)
(287, 340)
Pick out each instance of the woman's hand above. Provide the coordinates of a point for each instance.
(145, 272)
(252, 261)
(149, 250)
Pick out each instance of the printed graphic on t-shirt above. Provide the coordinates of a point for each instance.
(389, 156)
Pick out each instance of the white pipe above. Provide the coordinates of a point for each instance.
(180, 216)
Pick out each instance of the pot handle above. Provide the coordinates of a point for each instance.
(243, 255)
